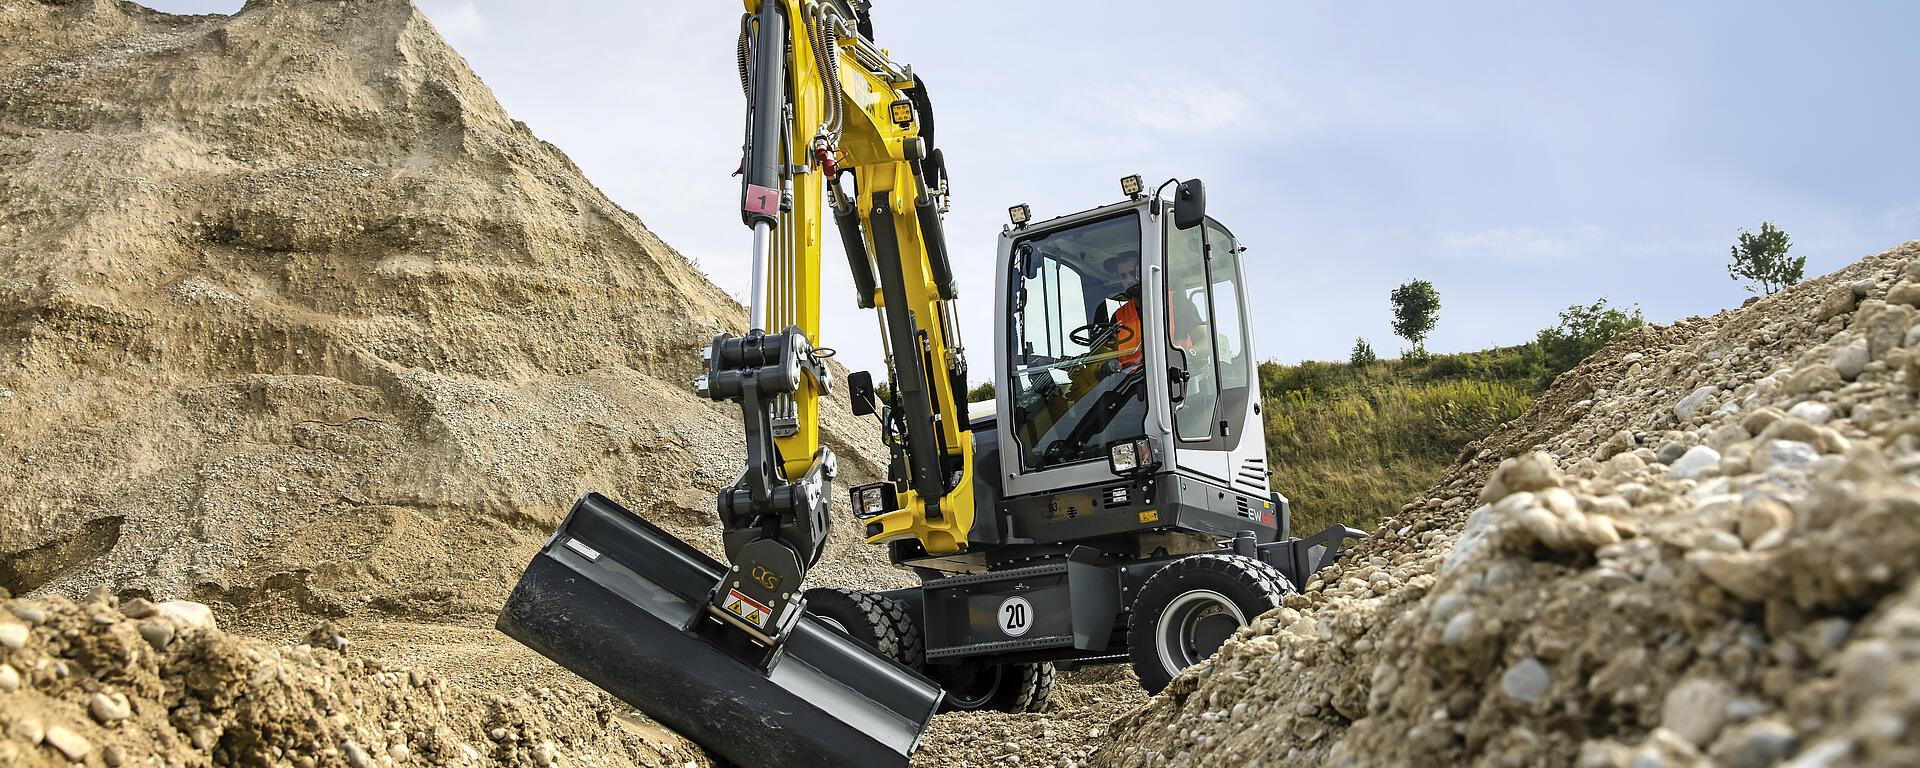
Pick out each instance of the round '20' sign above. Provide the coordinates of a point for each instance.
(1015, 616)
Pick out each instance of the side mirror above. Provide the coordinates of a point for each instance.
(860, 388)
(1189, 204)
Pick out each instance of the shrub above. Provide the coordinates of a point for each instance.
(1763, 259)
(1582, 331)
(1362, 355)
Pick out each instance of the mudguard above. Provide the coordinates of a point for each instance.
(619, 601)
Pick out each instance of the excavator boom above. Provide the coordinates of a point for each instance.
(726, 654)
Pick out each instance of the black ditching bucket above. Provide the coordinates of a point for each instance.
(615, 599)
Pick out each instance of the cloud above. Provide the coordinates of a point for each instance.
(1166, 108)
(1903, 218)
(459, 22)
(1140, 117)
(1516, 244)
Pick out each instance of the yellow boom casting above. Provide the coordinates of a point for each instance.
(856, 112)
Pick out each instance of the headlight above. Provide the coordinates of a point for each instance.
(872, 500)
(1131, 456)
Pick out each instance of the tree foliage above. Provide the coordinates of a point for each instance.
(1362, 354)
(1583, 330)
(981, 393)
(1416, 306)
(1763, 259)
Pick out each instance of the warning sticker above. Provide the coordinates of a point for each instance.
(747, 608)
(1150, 516)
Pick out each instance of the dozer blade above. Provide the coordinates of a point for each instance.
(616, 600)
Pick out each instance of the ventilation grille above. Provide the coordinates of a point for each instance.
(1253, 474)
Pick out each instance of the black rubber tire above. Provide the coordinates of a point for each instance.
(876, 621)
(981, 687)
(1252, 586)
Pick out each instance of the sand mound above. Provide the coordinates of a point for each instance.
(291, 307)
(1701, 545)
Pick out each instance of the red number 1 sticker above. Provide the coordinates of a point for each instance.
(763, 200)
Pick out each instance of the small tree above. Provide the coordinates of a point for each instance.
(1763, 259)
(1416, 306)
(1582, 331)
(1362, 354)
(981, 393)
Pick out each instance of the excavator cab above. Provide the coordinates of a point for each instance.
(1125, 331)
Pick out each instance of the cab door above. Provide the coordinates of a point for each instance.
(1215, 395)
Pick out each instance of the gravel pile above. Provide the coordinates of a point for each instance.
(1699, 547)
(117, 683)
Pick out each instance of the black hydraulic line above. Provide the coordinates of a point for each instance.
(761, 177)
(910, 386)
(929, 169)
(935, 235)
(922, 104)
(847, 220)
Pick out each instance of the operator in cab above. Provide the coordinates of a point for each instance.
(1126, 267)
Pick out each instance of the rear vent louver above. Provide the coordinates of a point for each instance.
(1253, 474)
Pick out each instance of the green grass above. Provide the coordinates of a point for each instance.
(1350, 445)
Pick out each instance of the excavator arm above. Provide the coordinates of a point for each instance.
(834, 125)
(725, 653)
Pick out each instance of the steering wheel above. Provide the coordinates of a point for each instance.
(1093, 335)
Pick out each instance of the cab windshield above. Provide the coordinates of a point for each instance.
(1076, 376)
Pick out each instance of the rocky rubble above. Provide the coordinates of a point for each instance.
(1699, 547)
(113, 683)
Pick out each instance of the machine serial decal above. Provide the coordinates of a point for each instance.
(747, 608)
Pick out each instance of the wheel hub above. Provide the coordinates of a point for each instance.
(970, 686)
(1193, 626)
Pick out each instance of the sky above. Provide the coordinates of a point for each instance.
(1521, 156)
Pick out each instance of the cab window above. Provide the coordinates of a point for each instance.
(1075, 375)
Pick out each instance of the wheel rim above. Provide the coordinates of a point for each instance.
(976, 686)
(1193, 626)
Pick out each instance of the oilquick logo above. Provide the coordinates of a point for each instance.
(1016, 616)
(765, 577)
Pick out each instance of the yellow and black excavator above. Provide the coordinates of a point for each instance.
(1112, 505)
